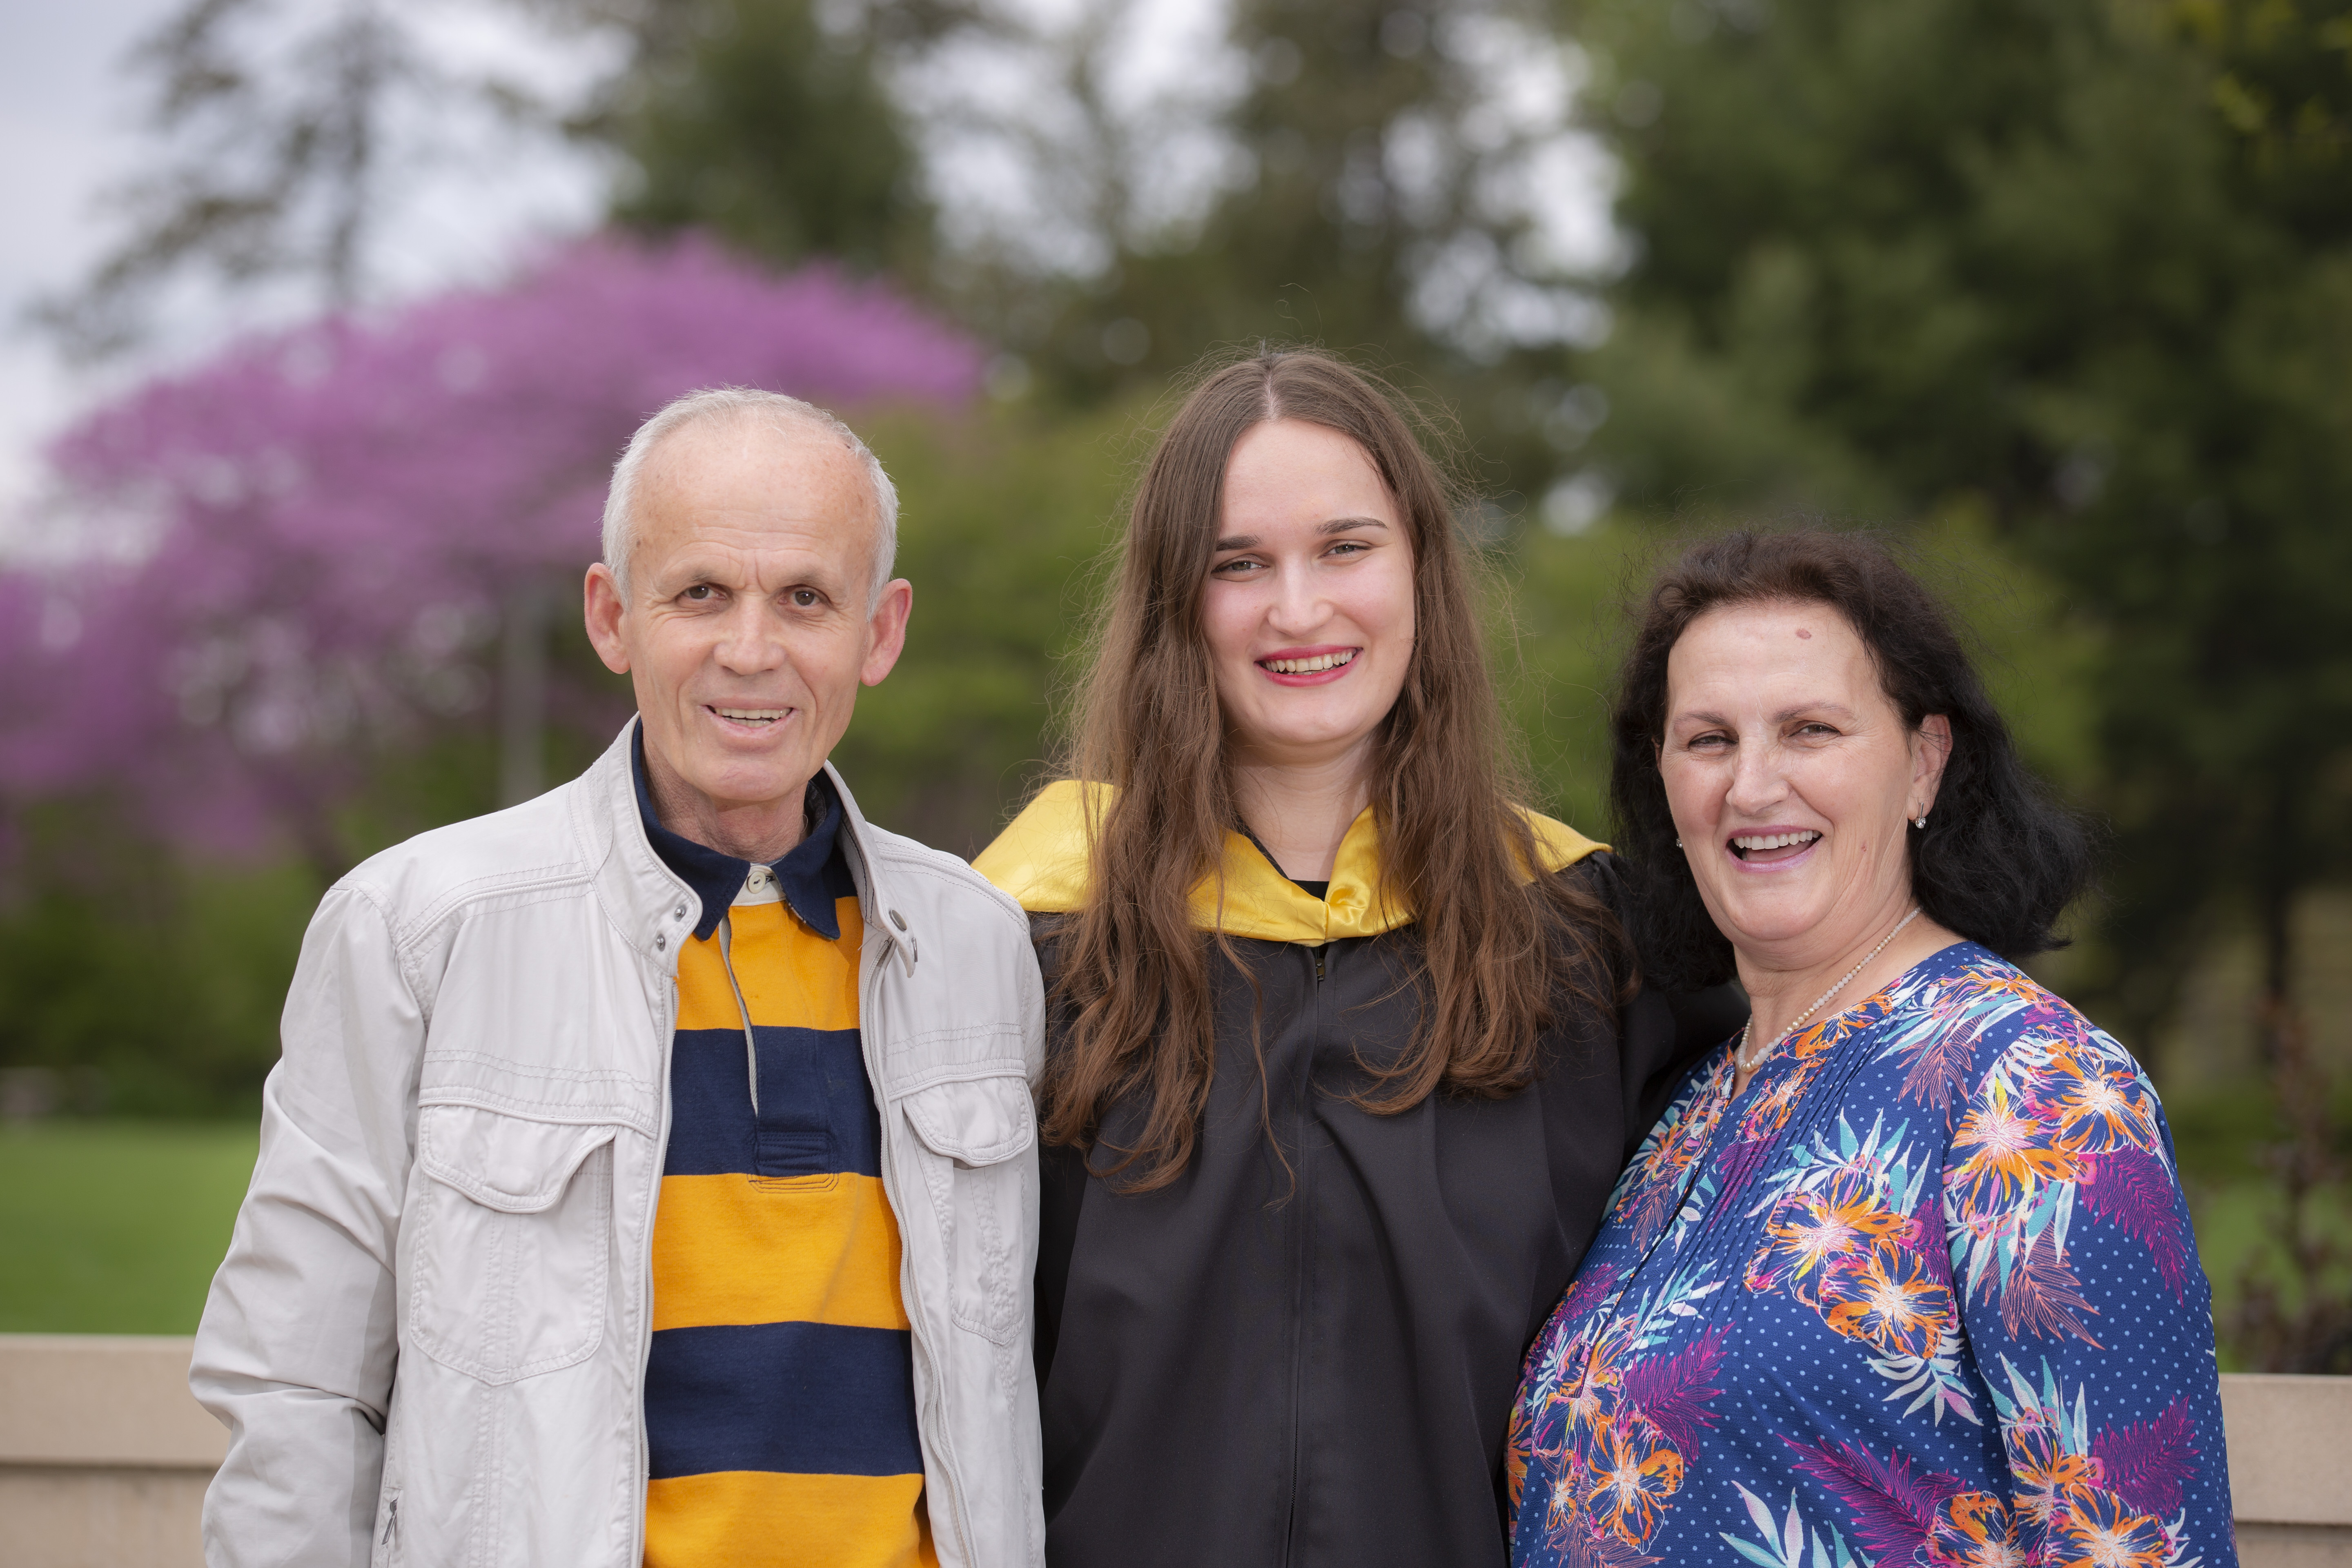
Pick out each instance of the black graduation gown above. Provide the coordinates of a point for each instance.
(1303, 1350)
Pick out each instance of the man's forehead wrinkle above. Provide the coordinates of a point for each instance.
(794, 485)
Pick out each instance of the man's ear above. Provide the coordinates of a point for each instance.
(601, 607)
(885, 631)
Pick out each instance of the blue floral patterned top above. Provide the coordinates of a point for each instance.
(1925, 1294)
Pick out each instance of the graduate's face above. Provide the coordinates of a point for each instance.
(1309, 609)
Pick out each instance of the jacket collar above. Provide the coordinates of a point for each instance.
(717, 877)
(1042, 860)
(657, 909)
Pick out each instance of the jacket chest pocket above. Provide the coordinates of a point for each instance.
(510, 1242)
(981, 1175)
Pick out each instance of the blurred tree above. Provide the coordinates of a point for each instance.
(1004, 521)
(1376, 180)
(273, 148)
(137, 982)
(1382, 197)
(313, 535)
(283, 128)
(752, 120)
(1314, 235)
(2085, 265)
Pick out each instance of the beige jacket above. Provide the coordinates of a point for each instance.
(428, 1340)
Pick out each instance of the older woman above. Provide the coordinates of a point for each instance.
(1344, 1053)
(1904, 1274)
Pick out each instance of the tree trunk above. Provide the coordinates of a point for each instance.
(2302, 1322)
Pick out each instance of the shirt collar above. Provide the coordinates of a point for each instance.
(715, 876)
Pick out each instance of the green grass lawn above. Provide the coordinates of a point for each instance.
(115, 1227)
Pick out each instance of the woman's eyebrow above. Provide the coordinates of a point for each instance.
(1337, 525)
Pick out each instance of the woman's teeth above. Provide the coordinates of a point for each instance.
(752, 715)
(1320, 662)
(1756, 841)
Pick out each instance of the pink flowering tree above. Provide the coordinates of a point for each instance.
(328, 546)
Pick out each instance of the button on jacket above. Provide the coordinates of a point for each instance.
(1303, 1350)
(429, 1338)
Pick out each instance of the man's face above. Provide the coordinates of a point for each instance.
(749, 623)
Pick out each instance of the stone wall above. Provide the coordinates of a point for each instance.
(104, 1457)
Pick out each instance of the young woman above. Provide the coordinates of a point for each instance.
(1346, 1050)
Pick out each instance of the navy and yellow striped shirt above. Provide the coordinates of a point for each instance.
(779, 1407)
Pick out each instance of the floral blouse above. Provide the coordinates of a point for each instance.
(1925, 1294)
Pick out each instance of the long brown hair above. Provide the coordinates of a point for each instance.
(1491, 956)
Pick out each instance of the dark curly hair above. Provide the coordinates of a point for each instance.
(2000, 859)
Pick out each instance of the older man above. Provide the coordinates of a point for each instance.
(650, 1173)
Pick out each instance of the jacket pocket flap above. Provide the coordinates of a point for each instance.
(503, 1162)
(978, 1122)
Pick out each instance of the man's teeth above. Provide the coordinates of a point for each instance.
(1321, 661)
(1773, 840)
(752, 715)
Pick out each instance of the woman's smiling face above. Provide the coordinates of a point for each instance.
(1309, 609)
(1790, 775)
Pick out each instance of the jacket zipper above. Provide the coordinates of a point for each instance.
(867, 1013)
(646, 1274)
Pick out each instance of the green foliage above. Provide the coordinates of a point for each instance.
(2010, 260)
(148, 986)
(116, 1227)
(1002, 519)
(149, 983)
(1564, 609)
(2283, 83)
(2081, 269)
(1555, 610)
(1314, 245)
(766, 129)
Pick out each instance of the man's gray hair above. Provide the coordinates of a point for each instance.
(739, 403)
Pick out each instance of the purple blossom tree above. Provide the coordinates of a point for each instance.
(288, 562)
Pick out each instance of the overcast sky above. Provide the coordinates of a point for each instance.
(70, 130)
(477, 196)
(63, 115)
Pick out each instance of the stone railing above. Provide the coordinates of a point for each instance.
(104, 1457)
(2291, 1469)
(104, 1452)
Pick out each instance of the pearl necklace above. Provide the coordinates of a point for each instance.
(1738, 1052)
